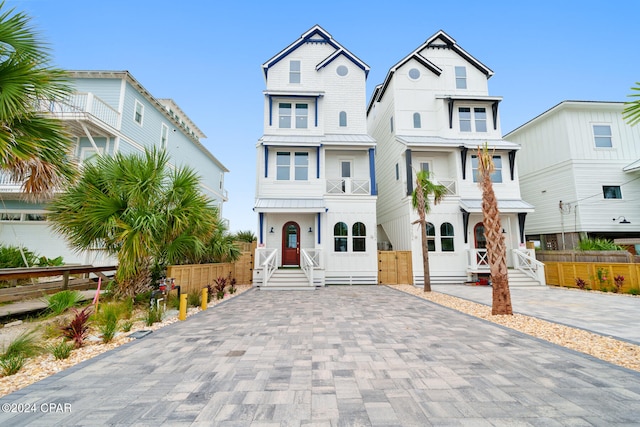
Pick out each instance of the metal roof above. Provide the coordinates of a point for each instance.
(290, 205)
(504, 206)
(437, 141)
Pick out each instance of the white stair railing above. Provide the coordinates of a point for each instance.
(267, 259)
(529, 265)
(310, 260)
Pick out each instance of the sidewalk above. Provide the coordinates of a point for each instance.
(607, 314)
(338, 356)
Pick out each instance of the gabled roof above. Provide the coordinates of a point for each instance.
(439, 40)
(316, 35)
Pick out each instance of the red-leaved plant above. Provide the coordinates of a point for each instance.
(78, 329)
(580, 283)
(619, 282)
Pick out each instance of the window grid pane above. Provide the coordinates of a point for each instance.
(481, 119)
(461, 78)
(285, 115)
(294, 72)
(465, 119)
(283, 162)
(301, 116)
(302, 166)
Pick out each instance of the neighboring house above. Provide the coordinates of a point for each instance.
(110, 112)
(579, 166)
(432, 112)
(315, 191)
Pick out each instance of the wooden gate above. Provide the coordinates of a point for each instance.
(395, 268)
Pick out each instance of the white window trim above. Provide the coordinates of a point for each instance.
(594, 136)
(293, 166)
(135, 110)
(461, 78)
(298, 73)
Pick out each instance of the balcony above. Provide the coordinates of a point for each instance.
(8, 185)
(84, 112)
(348, 186)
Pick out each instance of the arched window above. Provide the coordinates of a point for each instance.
(417, 123)
(431, 237)
(359, 233)
(343, 118)
(340, 232)
(446, 237)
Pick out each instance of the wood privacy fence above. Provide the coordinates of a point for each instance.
(395, 268)
(566, 273)
(587, 256)
(193, 277)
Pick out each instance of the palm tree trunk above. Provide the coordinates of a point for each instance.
(423, 232)
(496, 249)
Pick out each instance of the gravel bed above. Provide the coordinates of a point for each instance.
(44, 365)
(609, 349)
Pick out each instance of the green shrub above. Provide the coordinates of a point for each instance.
(194, 299)
(107, 319)
(11, 257)
(62, 350)
(12, 364)
(634, 291)
(61, 301)
(598, 244)
(25, 345)
(153, 315)
(43, 261)
(127, 325)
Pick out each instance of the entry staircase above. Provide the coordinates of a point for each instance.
(288, 279)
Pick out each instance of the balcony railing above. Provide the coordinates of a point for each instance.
(348, 186)
(82, 103)
(450, 186)
(9, 185)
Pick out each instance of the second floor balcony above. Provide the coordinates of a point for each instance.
(348, 186)
(84, 112)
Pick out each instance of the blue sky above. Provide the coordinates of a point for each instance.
(206, 55)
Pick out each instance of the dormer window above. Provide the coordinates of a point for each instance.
(294, 72)
(461, 78)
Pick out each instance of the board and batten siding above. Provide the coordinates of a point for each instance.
(108, 90)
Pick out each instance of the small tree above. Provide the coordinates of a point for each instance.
(496, 249)
(420, 201)
(137, 208)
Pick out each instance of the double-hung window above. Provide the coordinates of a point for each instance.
(294, 72)
(602, 136)
(480, 118)
(138, 113)
(496, 175)
(287, 115)
(464, 113)
(461, 78)
(446, 237)
(284, 166)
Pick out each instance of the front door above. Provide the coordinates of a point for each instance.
(480, 243)
(291, 244)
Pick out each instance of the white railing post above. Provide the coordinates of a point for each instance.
(268, 264)
(525, 262)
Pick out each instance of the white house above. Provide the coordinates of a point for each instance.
(109, 112)
(432, 112)
(582, 173)
(315, 184)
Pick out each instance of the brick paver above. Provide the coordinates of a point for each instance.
(338, 356)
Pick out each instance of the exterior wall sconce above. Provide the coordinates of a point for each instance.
(271, 230)
(310, 230)
(622, 220)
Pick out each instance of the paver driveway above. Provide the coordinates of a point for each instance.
(336, 356)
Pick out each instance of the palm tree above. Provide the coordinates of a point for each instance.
(34, 149)
(496, 249)
(420, 201)
(245, 236)
(631, 112)
(136, 208)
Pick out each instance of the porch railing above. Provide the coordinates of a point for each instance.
(477, 260)
(449, 185)
(81, 102)
(524, 261)
(268, 260)
(348, 186)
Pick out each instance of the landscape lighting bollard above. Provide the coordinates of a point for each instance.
(183, 307)
(203, 303)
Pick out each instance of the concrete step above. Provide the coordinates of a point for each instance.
(288, 279)
(519, 279)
